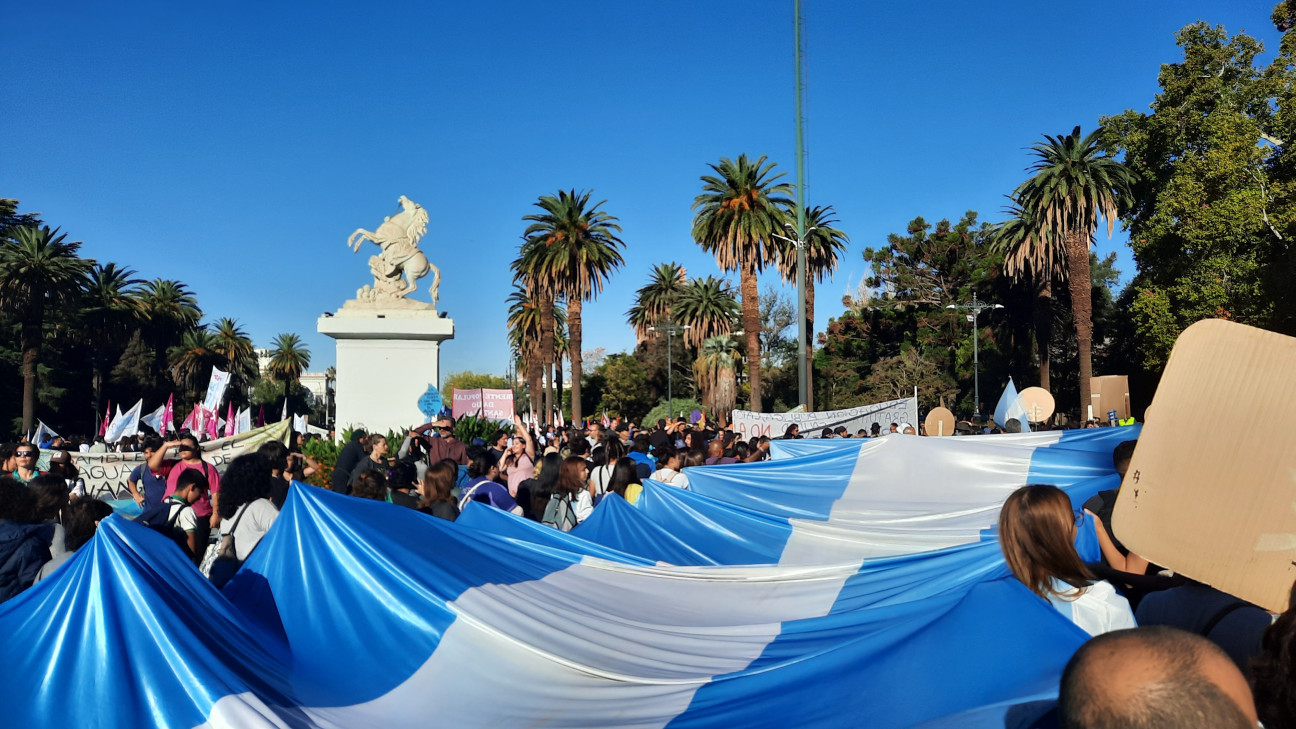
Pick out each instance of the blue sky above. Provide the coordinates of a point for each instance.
(235, 146)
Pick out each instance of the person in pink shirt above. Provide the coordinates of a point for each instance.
(191, 457)
(519, 461)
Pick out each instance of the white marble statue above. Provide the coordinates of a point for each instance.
(400, 263)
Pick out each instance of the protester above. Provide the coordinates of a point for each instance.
(52, 497)
(1152, 678)
(438, 482)
(370, 485)
(694, 457)
(24, 540)
(540, 488)
(715, 454)
(570, 503)
(1273, 671)
(519, 462)
(376, 460)
(660, 437)
(61, 466)
(671, 462)
(25, 457)
(191, 457)
(8, 461)
(175, 516)
(351, 455)
(625, 481)
(244, 505)
(80, 520)
(1037, 531)
(1236, 626)
(500, 441)
(444, 444)
(605, 459)
(277, 455)
(401, 480)
(147, 482)
(481, 486)
(792, 432)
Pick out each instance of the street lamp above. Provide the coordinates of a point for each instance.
(803, 374)
(670, 330)
(976, 307)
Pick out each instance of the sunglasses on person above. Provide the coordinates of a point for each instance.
(25, 454)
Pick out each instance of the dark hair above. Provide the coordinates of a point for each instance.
(276, 454)
(661, 423)
(1036, 534)
(693, 457)
(641, 443)
(547, 480)
(624, 473)
(791, 430)
(192, 476)
(1273, 672)
(826, 433)
(79, 521)
(7, 451)
(151, 443)
(1122, 454)
(1012, 425)
(480, 461)
(51, 492)
(740, 451)
(664, 454)
(66, 471)
(370, 485)
(17, 502)
(438, 480)
(246, 479)
(580, 446)
(569, 480)
(1169, 692)
(612, 450)
(402, 476)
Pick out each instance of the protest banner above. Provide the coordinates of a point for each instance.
(1208, 492)
(748, 424)
(484, 403)
(106, 474)
(216, 390)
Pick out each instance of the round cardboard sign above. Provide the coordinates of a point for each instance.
(1038, 403)
(940, 421)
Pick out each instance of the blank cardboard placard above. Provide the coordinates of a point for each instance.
(1038, 404)
(940, 421)
(1211, 490)
(1110, 393)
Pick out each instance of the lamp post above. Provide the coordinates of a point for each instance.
(670, 330)
(976, 307)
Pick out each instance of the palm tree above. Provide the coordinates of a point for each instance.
(111, 312)
(577, 248)
(1076, 182)
(39, 269)
(738, 213)
(524, 338)
(240, 356)
(708, 307)
(654, 300)
(529, 270)
(289, 357)
(169, 309)
(716, 373)
(822, 244)
(192, 361)
(1031, 254)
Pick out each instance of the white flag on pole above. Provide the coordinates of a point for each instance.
(124, 425)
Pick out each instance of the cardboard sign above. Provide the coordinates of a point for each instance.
(1214, 498)
(1110, 393)
(940, 421)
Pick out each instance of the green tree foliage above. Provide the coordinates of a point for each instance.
(1215, 214)
(289, 358)
(625, 387)
(468, 380)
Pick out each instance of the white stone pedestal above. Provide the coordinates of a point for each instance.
(386, 358)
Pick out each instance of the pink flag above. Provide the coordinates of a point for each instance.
(103, 427)
(231, 422)
(213, 424)
(168, 416)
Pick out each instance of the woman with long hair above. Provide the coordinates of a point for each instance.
(519, 459)
(535, 491)
(1037, 530)
(437, 500)
(605, 458)
(244, 506)
(571, 503)
(625, 480)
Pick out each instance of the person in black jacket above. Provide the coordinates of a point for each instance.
(352, 453)
(24, 546)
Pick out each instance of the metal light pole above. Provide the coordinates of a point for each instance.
(976, 307)
(803, 373)
(670, 330)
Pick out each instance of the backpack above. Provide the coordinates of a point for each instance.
(560, 513)
(162, 519)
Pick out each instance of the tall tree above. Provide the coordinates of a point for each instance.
(170, 309)
(234, 345)
(654, 300)
(524, 338)
(289, 357)
(1033, 256)
(577, 249)
(741, 208)
(39, 269)
(110, 312)
(716, 373)
(708, 307)
(192, 361)
(822, 244)
(1075, 184)
(529, 270)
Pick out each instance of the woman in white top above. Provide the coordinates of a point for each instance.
(670, 461)
(1037, 530)
(244, 505)
(605, 458)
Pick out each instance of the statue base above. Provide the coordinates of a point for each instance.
(387, 354)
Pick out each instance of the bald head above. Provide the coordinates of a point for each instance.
(715, 449)
(1154, 678)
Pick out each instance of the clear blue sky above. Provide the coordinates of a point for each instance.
(235, 146)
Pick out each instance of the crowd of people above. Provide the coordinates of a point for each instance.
(1165, 647)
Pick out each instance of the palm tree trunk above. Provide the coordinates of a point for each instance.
(31, 338)
(1077, 251)
(558, 382)
(751, 331)
(809, 325)
(1044, 330)
(547, 350)
(574, 354)
(534, 375)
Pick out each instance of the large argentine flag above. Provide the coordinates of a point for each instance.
(357, 613)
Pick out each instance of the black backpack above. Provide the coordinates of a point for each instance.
(162, 519)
